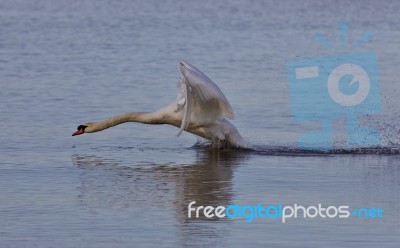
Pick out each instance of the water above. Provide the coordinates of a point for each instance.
(64, 63)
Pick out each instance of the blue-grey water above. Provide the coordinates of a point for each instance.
(63, 63)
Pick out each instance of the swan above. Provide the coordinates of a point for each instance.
(200, 108)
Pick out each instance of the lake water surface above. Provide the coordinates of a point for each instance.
(63, 63)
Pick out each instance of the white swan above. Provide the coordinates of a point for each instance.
(200, 108)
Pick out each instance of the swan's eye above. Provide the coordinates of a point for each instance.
(81, 127)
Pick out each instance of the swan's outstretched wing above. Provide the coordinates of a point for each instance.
(201, 99)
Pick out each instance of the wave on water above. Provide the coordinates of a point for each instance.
(296, 151)
(288, 151)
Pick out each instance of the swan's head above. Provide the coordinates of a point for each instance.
(80, 129)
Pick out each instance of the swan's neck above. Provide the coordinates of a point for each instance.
(142, 117)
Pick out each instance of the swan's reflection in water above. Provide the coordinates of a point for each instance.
(109, 182)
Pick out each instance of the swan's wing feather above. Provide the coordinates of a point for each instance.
(204, 90)
(181, 98)
(185, 92)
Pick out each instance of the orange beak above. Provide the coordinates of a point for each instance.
(78, 132)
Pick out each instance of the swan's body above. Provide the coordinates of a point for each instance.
(200, 108)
